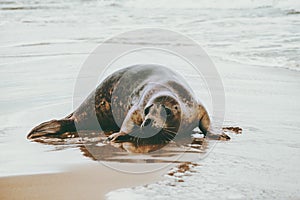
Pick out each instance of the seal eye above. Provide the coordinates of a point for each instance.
(147, 110)
(168, 111)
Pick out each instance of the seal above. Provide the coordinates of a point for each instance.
(147, 105)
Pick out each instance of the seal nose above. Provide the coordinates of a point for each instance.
(147, 122)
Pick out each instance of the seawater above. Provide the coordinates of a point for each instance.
(265, 32)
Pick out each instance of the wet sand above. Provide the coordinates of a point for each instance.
(86, 182)
(261, 163)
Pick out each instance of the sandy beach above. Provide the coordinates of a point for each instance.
(85, 182)
(260, 163)
(255, 48)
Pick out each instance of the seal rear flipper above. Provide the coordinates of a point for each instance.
(53, 128)
(205, 126)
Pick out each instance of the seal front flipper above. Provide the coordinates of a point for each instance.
(131, 124)
(205, 126)
(119, 137)
(53, 128)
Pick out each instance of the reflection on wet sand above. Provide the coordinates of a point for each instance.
(97, 148)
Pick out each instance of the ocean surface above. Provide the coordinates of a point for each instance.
(43, 45)
(261, 32)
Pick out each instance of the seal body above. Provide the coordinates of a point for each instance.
(142, 104)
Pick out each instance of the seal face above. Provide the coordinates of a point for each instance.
(141, 105)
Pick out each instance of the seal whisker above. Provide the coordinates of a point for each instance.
(169, 134)
(170, 127)
(170, 131)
